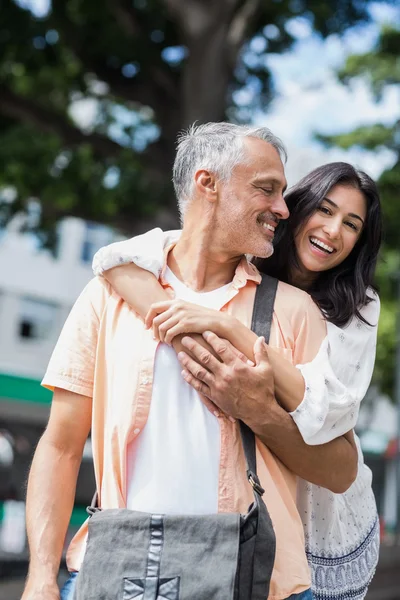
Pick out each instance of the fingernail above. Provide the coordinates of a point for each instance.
(250, 362)
(206, 334)
(232, 419)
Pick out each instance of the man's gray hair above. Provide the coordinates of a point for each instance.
(217, 147)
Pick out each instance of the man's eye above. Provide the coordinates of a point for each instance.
(267, 190)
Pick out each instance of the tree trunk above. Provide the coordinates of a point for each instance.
(206, 76)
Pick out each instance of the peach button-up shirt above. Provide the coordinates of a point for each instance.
(105, 352)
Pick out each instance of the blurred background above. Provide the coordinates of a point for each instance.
(92, 95)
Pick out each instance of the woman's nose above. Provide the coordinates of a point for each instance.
(332, 229)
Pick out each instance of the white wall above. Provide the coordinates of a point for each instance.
(28, 272)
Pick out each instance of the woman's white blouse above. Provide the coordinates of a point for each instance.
(341, 530)
(335, 381)
(338, 378)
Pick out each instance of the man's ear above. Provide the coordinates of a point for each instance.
(206, 184)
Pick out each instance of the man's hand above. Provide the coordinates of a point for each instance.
(238, 387)
(246, 392)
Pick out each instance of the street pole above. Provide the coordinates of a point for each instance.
(397, 400)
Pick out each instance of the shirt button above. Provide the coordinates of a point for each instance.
(216, 413)
(136, 431)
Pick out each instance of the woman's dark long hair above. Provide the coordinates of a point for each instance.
(341, 291)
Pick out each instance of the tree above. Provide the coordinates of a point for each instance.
(381, 68)
(147, 68)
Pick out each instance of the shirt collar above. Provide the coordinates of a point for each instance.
(245, 271)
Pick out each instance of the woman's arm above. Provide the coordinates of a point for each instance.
(322, 396)
(338, 378)
(140, 289)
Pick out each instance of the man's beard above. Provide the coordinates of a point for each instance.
(268, 255)
(270, 250)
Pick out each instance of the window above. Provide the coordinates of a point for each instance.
(37, 318)
(96, 236)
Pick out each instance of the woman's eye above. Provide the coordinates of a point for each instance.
(350, 224)
(324, 210)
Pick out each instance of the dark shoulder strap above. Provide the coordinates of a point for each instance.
(264, 306)
(261, 325)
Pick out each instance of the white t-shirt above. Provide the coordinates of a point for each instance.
(173, 465)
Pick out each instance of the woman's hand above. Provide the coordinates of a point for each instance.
(175, 317)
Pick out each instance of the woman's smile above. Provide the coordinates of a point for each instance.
(321, 247)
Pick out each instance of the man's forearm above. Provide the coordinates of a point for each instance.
(50, 498)
(332, 465)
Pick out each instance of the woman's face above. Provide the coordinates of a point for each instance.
(331, 233)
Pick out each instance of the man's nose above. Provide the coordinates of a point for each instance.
(280, 208)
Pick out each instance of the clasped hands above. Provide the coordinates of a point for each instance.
(242, 389)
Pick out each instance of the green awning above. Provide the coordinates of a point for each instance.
(24, 389)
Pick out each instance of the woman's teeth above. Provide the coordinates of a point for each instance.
(321, 245)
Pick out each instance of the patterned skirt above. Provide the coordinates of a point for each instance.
(342, 537)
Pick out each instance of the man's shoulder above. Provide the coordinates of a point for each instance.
(294, 306)
(292, 297)
(98, 287)
(300, 321)
(95, 294)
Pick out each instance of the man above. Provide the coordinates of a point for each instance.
(158, 446)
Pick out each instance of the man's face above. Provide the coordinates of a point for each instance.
(251, 203)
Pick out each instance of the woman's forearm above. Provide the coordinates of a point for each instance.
(139, 288)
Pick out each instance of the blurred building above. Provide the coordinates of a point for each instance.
(377, 429)
(37, 291)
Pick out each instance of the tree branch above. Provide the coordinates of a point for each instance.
(125, 17)
(159, 86)
(27, 111)
(240, 25)
(196, 17)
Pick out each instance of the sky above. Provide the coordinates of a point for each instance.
(309, 97)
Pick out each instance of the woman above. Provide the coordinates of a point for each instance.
(329, 248)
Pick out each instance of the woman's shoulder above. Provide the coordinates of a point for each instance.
(371, 310)
(373, 296)
(356, 326)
